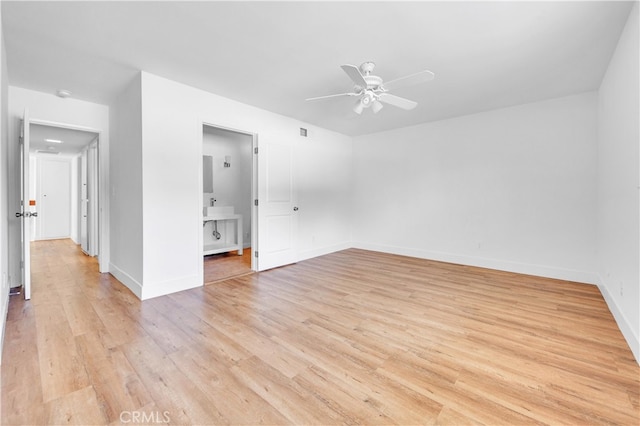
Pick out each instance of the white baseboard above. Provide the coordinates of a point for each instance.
(481, 262)
(151, 290)
(5, 311)
(321, 251)
(521, 268)
(127, 280)
(622, 321)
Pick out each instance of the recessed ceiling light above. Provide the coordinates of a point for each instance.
(53, 140)
(63, 93)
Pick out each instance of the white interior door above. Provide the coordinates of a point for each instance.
(277, 209)
(25, 211)
(92, 199)
(55, 198)
(84, 200)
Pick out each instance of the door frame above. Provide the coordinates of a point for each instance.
(254, 193)
(102, 188)
(25, 206)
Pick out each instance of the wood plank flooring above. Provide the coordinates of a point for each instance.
(226, 265)
(354, 337)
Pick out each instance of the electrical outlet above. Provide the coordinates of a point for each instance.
(621, 289)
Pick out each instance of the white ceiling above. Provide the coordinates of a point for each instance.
(273, 55)
(73, 141)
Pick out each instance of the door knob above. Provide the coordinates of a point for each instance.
(295, 209)
(18, 214)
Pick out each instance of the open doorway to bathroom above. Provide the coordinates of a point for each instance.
(228, 185)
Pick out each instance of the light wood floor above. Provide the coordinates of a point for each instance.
(354, 337)
(226, 265)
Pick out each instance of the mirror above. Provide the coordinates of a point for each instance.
(207, 174)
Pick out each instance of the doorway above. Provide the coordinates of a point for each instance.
(64, 184)
(228, 194)
(63, 187)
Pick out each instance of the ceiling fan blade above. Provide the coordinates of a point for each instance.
(409, 80)
(397, 101)
(354, 74)
(331, 96)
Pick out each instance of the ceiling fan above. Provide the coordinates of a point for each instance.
(373, 92)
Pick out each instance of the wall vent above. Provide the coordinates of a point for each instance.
(42, 151)
(303, 132)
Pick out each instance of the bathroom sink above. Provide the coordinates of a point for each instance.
(218, 211)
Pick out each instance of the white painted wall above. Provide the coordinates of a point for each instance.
(172, 118)
(52, 109)
(126, 188)
(4, 183)
(231, 185)
(510, 189)
(324, 181)
(618, 184)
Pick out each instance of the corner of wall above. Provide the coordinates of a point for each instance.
(126, 279)
(618, 219)
(157, 289)
(622, 321)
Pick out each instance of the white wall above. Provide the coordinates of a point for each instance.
(231, 185)
(618, 184)
(172, 118)
(52, 109)
(4, 196)
(324, 179)
(510, 189)
(126, 187)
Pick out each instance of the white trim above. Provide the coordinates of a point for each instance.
(321, 251)
(126, 279)
(63, 125)
(583, 277)
(156, 289)
(481, 262)
(623, 323)
(254, 192)
(5, 312)
(102, 184)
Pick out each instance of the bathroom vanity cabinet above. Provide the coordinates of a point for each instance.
(223, 219)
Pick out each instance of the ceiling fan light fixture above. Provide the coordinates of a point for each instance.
(359, 107)
(376, 106)
(63, 93)
(367, 99)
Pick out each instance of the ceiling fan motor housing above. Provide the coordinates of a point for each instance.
(367, 98)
